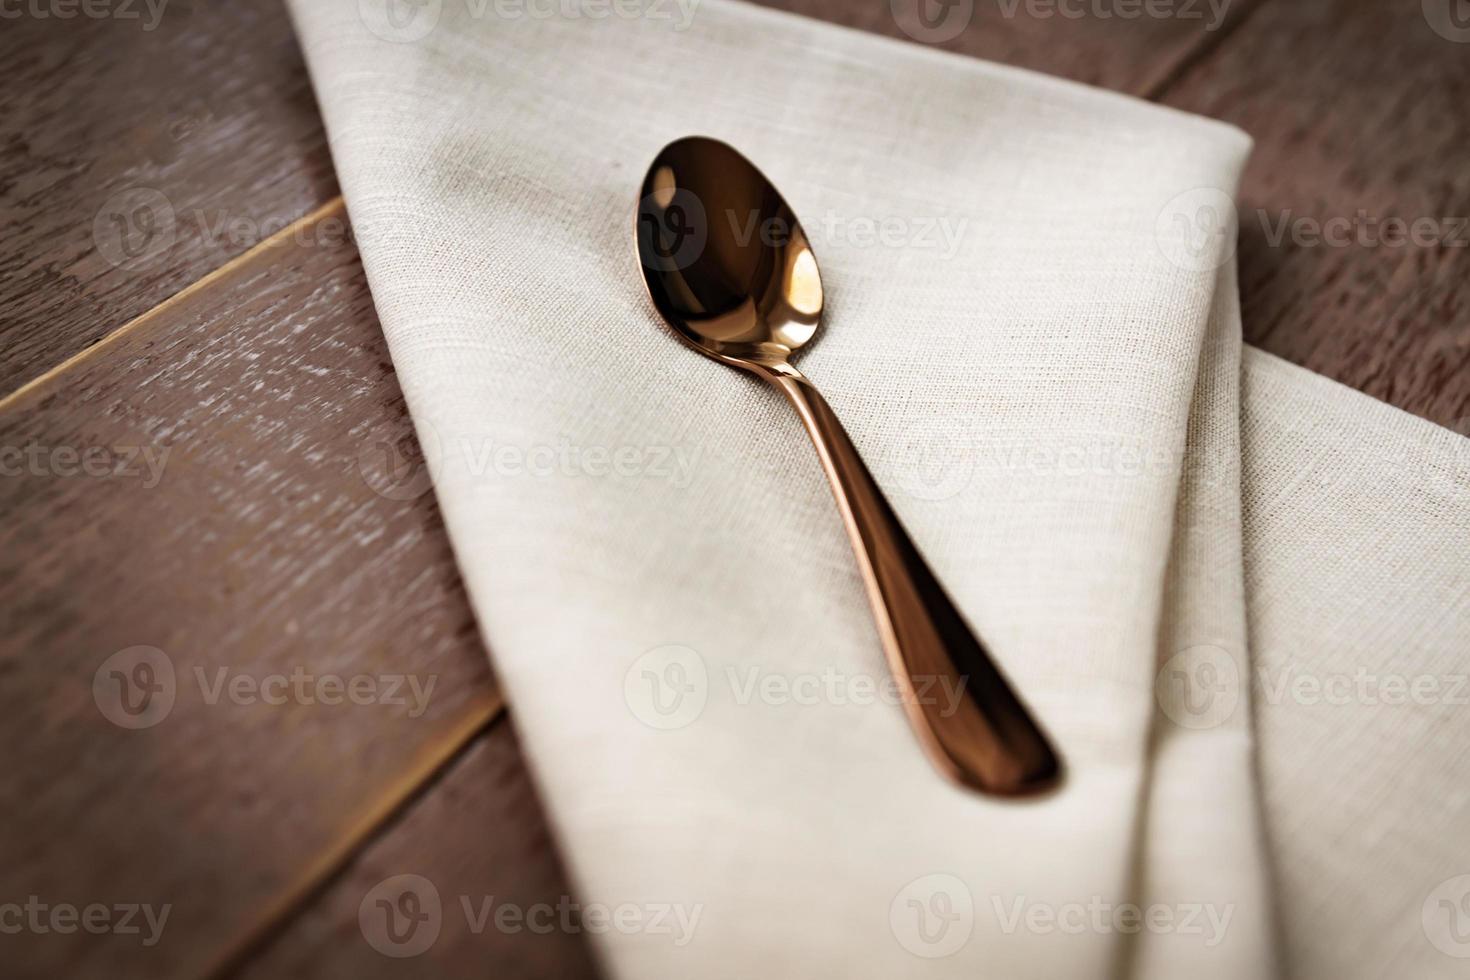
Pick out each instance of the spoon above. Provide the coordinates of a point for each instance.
(728, 266)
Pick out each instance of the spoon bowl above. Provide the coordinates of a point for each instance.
(725, 259)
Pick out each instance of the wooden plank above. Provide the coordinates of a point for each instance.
(180, 134)
(476, 845)
(1358, 111)
(216, 483)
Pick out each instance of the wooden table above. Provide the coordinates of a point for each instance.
(205, 452)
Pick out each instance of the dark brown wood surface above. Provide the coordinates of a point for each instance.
(288, 528)
(180, 139)
(477, 838)
(1361, 116)
(1134, 54)
(247, 515)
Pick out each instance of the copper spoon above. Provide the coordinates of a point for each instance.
(729, 267)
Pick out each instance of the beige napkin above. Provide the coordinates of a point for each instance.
(1033, 337)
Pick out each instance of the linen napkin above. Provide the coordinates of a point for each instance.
(1032, 334)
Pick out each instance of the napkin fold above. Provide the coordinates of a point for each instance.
(1033, 336)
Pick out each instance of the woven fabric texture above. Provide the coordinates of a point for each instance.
(1033, 335)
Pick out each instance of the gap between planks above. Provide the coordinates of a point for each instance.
(330, 209)
(314, 878)
(393, 799)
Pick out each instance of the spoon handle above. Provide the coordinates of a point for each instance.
(987, 740)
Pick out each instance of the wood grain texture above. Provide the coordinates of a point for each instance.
(1359, 114)
(1106, 44)
(178, 133)
(232, 482)
(479, 842)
